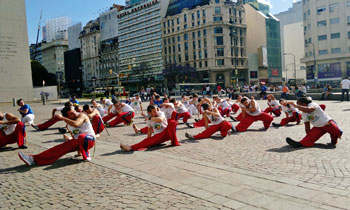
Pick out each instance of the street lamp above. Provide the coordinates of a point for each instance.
(287, 71)
(295, 69)
(316, 72)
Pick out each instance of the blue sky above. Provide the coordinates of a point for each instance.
(85, 10)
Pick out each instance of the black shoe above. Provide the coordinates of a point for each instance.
(189, 136)
(36, 127)
(62, 130)
(276, 125)
(23, 147)
(233, 129)
(332, 145)
(293, 143)
(196, 119)
(189, 125)
(233, 119)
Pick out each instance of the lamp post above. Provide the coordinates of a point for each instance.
(316, 70)
(295, 69)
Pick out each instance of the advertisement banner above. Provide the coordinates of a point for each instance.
(264, 54)
(310, 72)
(332, 70)
(274, 72)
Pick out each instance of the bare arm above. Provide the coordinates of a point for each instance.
(109, 109)
(75, 123)
(11, 119)
(287, 115)
(303, 108)
(205, 117)
(253, 109)
(92, 114)
(53, 112)
(149, 132)
(307, 127)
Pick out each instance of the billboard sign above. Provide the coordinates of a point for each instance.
(332, 70)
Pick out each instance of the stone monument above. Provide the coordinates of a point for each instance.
(15, 71)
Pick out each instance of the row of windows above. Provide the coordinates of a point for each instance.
(149, 43)
(172, 49)
(138, 13)
(140, 39)
(321, 9)
(150, 50)
(333, 36)
(140, 19)
(149, 22)
(195, 34)
(140, 32)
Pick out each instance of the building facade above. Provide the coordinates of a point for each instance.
(327, 40)
(263, 46)
(35, 52)
(73, 36)
(264, 8)
(73, 71)
(90, 49)
(53, 56)
(56, 28)
(208, 37)
(292, 41)
(140, 42)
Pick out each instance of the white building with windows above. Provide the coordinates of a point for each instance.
(327, 40)
(56, 28)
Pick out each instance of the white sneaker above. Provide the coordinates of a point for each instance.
(88, 158)
(27, 159)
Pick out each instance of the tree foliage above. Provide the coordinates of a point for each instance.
(39, 73)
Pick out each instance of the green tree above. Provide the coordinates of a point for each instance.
(39, 73)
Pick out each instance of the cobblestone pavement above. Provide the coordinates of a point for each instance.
(243, 171)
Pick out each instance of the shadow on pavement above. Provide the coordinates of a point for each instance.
(16, 169)
(158, 147)
(118, 152)
(288, 148)
(346, 110)
(60, 163)
(5, 149)
(55, 140)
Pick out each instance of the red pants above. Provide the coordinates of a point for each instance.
(248, 120)
(185, 116)
(295, 118)
(109, 116)
(200, 123)
(144, 130)
(235, 108)
(323, 107)
(48, 123)
(18, 136)
(223, 127)
(174, 116)
(225, 111)
(97, 124)
(169, 133)
(82, 144)
(239, 117)
(316, 132)
(125, 117)
(275, 110)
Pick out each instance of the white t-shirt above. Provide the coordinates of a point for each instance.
(7, 128)
(107, 104)
(257, 107)
(135, 103)
(224, 105)
(181, 109)
(168, 111)
(86, 127)
(186, 103)
(289, 110)
(59, 108)
(273, 103)
(345, 84)
(127, 108)
(158, 127)
(317, 118)
(215, 120)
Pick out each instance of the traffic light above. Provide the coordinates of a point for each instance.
(110, 71)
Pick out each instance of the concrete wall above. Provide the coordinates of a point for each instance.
(52, 90)
(15, 71)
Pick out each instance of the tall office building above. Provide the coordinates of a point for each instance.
(264, 8)
(292, 42)
(208, 37)
(73, 36)
(35, 52)
(56, 28)
(327, 40)
(140, 42)
(53, 56)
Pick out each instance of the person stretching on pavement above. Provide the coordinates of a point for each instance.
(124, 114)
(218, 122)
(96, 120)
(274, 106)
(314, 114)
(84, 139)
(181, 110)
(292, 114)
(12, 130)
(163, 129)
(26, 112)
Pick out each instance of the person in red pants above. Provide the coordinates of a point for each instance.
(12, 130)
(53, 120)
(251, 112)
(223, 106)
(274, 106)
(84, 139)
(96, 120)
(218, 123)
(125, 114)
(313, 114)
(110, 109)
(181, 110)
(292, 114)
(163, 129)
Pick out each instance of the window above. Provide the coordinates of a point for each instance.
(220, 62)
(164, 25)
(205, 43)
(219, 40)
(186, 46)
(186, 56)
(179, 47)
(203, 13)
(185, 17)
(194, 44)
(321, 23)
(198, 22)
(217, 10)
(323, 52)
(217, 1)
(164, 41)
(219, 52)
(218, 30)
(204, 21)
(322, 37)
(336, 50)
(192, 15)
(334, 20)
(348, 20)
(204, 32)
(335, 36)
(192, 24)
(178, 38)
(348, 3)
(199, 34)
(348, 34)
(199, 44)
(172, 22)
(194, 55)
(216, 19)
(185, 36)
(308, 12)
(198, 14)
(332, 7)
(320, 10)
(177, 20)
(205, 53)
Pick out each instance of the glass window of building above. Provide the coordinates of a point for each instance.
(205, 53)
(199, 44)
(173, 39)
(198, 14)
(178, 38)
(178, 28)
(336, 50)
(323, 52)
(348, 3)
(332, 7)
(205, 43)
(194, 44)
(164, 41)
(320, 10)
(186, 36)
(200, 54)
(219, 40)
(199, 34)
(185, 17)
(334, 20)
(192, 15)
(206, 63)
(321, 23)
(186, 46)
(192, 24)
(348, 34)
(185, 26)
(204, 32)
(172, 22)
(193, 35)
(219, 52)
(186, 56)
(335, 36)
(198, 22)
(218, 10)
(203, 12)
(217, 1)
(204, 21)
(217, 19)
(194, 55)
(180, 58)
(218, 30)
(164, 25)
(348, 20)
(174, 49)
(220, 62)
(200, 64)
(168, 23)
(178, 20)
(322, 37)
(179, 47)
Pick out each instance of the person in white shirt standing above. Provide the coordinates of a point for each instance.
(345, 86)
(313, 114)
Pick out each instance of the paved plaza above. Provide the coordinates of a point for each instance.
(250, 170)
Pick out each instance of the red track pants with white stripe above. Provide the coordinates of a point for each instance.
(125, 117)
(296, 117)
(82, 144)
(223, 127)
(185, 116)
(169, 133)
(97, 124)
(225, 111)
(317, 132)
(109, 117)
(248, 120)
(275, 110)
(17, 136)
(235, 108)
(48, 123)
